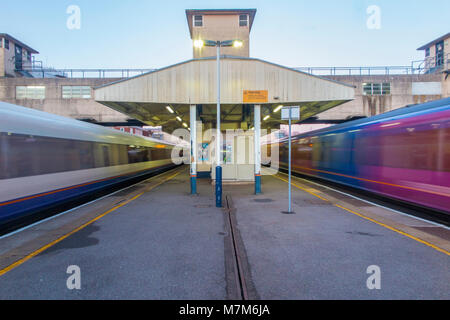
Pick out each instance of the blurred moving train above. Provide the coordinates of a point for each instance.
(403, 154)
(48, 160)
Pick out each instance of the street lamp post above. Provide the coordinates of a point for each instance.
(208, 43)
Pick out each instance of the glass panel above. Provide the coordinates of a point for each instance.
(243, 18)
(367, 88)
(376, 89)
(386, 89)
(198, 21)
(21, 92)
(76, 92)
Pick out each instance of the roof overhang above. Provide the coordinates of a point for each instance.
(193, 82)
(432, 43)
(23, 45)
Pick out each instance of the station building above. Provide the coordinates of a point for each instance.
(25, 81)
(251, 93)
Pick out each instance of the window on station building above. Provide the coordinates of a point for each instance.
(30, 92)
(76, 92)
(1, 42)
(376, 89)
(243, 20)
(7, 44)
(198, 21)
(427, 52)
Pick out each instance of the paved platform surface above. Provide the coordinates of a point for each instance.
(155, 241)
(323, 251)
(165, 244)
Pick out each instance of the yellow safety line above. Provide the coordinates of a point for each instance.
(306, 190)
(373, 220)
(35, 253)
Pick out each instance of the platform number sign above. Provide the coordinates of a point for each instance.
(295, 113)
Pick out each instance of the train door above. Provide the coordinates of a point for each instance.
(18, 57)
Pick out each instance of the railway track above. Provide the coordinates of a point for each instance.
(239, 282)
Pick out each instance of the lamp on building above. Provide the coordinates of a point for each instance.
(209, 43)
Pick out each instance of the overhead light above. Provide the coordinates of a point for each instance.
(170, 109)
(237, 43)
(278, 108)
(198, 44)
(185, 125)
(179, 119)
(266, 117)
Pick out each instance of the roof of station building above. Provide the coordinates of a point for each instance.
(12, 39)
(193, 82)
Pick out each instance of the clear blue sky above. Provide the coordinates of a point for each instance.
(294, 33)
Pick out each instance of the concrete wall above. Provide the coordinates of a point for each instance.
(401, 95)
(221, 27)
(54, 103)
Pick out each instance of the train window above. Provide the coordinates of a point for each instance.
(86, 154)
(105, 152)
(25, 155)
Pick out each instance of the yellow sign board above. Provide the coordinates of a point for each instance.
(256, 96)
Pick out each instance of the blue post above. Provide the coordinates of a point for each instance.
(257, 184)
(193, 184)
(219, 187)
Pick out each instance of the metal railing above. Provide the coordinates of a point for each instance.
(428, 66)
(361, 71)
(84, 73)
(433, 64)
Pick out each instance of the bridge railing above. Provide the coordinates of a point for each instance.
(362, 71)
(84, 73)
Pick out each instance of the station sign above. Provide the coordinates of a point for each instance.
(256, 96)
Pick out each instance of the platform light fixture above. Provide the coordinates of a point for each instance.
(278, 108)
(170, 109)
(198, 44)
(179, 119)
(237, 43)
(185, 124)
(266, 117)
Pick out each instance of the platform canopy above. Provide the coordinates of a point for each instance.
(244, 83)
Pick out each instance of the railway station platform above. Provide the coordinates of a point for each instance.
(154, 240)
